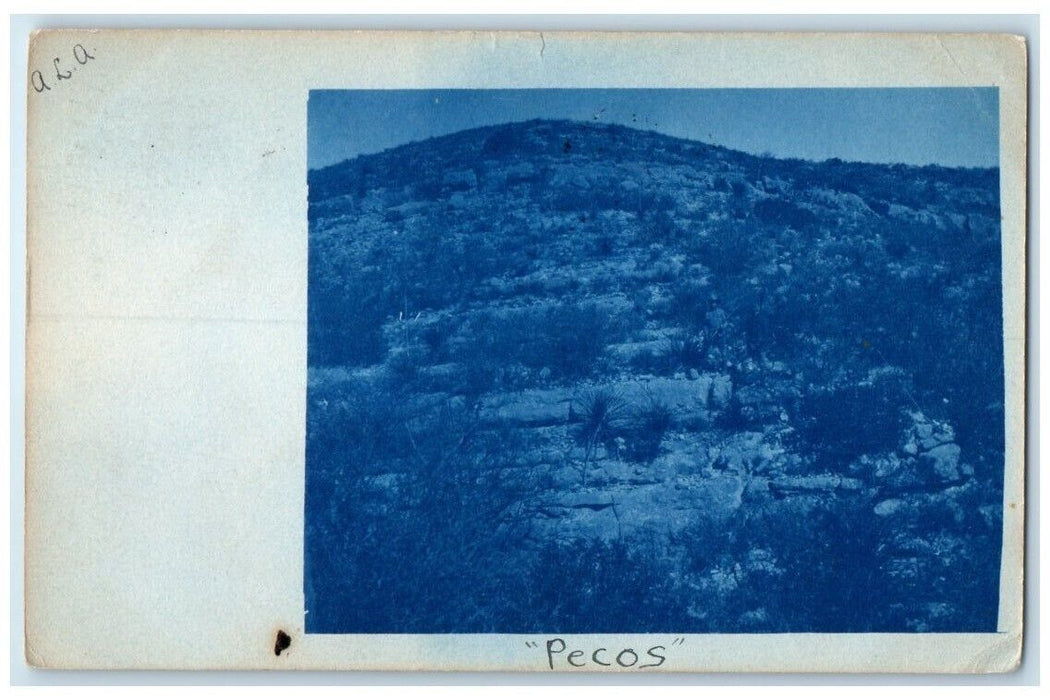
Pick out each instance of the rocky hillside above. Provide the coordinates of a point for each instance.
(578, 377)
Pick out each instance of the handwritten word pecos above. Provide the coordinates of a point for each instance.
(42, 82)
(624, 658)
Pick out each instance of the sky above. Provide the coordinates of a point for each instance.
(918, 126)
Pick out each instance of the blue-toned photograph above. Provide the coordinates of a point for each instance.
(626, 361)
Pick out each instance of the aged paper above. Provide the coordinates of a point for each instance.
(521, 351)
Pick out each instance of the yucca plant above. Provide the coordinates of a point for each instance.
(601, 413)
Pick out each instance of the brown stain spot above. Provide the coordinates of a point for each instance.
(1012, 506)
(283, 642)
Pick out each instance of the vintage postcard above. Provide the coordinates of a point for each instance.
(532, 352)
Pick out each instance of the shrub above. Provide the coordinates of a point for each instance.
(647, 362)
(842, 424)
(780, 212)
(734, 418)
(604, 243)
(567, 339)
(504, 140)
(728, 251)
(691, 297)
(581, 586)
(403, 364)
(651, 422)
(354, 427)
(659, 226)
(570, 340)
(686, 352)
(431, 517)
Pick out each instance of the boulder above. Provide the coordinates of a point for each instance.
(721, 390)
(888, 507)
(944, 462)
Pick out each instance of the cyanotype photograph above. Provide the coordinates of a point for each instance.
(651, 360)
